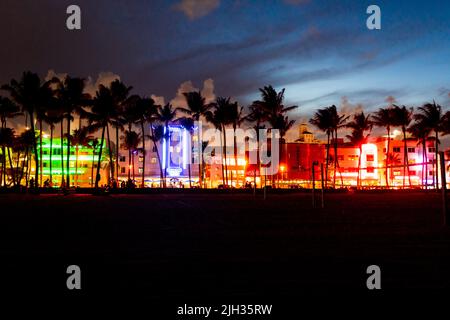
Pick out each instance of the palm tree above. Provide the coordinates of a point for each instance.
(402, 118)
(236, 118)
(220, 117)
(257, 117)
(431, 116)
(189, 125)
(72, 99)
(102, 112)
(27, 93)
(6, 139)
(54, 115)
(156, 136)
(359, 125)
(120, 93)
(272, 106)
(337, 122)
(79, 138)
(26, 139)
(421, 132)
(197, 108)
(384, 118)
(322, 120)
(8, 110)
(165, 115)
(130, 142)
(93, 143)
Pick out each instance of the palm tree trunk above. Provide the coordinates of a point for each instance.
(111, 163)
(97, 176)
(406, 157)
(436, 160)
(221, 161)
(92, 167)
(132, 166)
(387, 155)
(41, 162)
(4, 166)
(129, 165)
(11, 167)
(68, 153)
(62, 152)
(426, 162)
(143, 155)
(51, 152)
(117, 154)
(327, 160)
(36, 173)
(225, 153)
(335, 159)
(235, 156)
(76, 166)
(358, 182)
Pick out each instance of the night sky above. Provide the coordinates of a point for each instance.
(320, 51)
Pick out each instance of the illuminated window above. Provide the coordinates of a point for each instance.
(141, 158)
(411, 161)
(72, 164)
(369, 157)
(411, 150)
(396, 149)
(397, 172)
(353, 157)
(370, 170)
(153, 160)
(141, 170)
(412, 173)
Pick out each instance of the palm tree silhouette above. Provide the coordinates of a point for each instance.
(188, 124)
(156, 136)
(165, 115)
(384, 118)
(359, 125)
(322, 119)
(6, 139)
(80, 137)
(130, 142)
(8, 110)
(431, 116)
(27, 93)
(420, 131)
(197, 108)
(93, 143)
(73, 99)
(402, 118)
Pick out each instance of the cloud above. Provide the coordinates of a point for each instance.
(207, 92)
(195, 9)
(104, 78)
(159, 100)
(349, 108)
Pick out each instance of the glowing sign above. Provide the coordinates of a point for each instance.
(176, 150)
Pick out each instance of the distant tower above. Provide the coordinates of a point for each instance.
(304, 135)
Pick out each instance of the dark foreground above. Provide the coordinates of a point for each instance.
(180, 247)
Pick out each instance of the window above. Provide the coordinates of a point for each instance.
(396, 149)
(141, 169)
(340, 157)
(432, 149)
(431, 173)
(353, 157)
(57, 152)
(122, 170)
(122, 158)
(397, 173)
(411, 150)
(369, 157)
(72, 164)
(412, 173)
(153, 160)
(44, 164)
(141, 158)
(370, 170)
